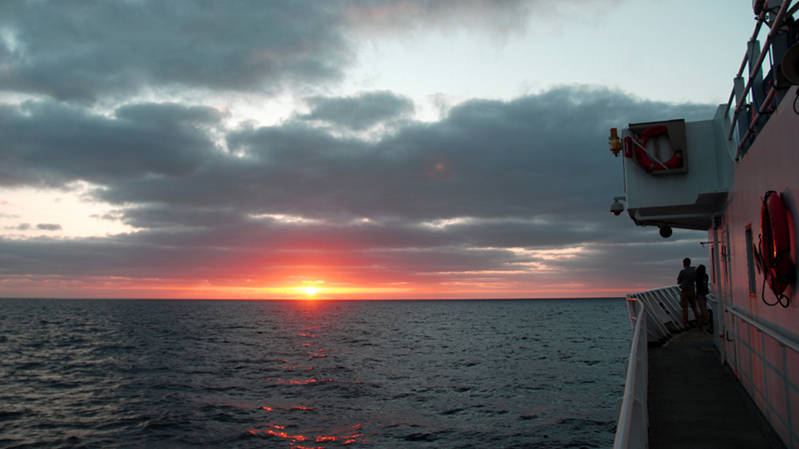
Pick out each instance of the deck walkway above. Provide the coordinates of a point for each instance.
(696, 402)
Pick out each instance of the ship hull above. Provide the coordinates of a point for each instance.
(756, 339)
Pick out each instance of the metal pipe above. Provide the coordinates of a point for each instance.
(759, 23)
(754, 70)
(771, 94)
(773, 333)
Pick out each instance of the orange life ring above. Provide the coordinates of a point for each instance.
(775, 245)
(636, 151)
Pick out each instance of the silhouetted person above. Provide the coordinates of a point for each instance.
(702, 290)
(686, 279)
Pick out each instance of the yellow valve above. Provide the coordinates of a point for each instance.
(614, 142)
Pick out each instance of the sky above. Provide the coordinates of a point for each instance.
(344, 149)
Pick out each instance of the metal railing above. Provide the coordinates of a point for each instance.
(773, 333)
(753, 58)
(663, 312)
(765, 384)
(631, 430)
(655, 315)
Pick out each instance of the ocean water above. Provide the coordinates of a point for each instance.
(310, 374)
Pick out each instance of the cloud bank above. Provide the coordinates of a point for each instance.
(498, 195)
(495, 199)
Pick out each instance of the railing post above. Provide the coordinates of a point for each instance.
(743, 119)
(756, 74)
(753, 59)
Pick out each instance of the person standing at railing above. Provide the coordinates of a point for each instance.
(686, 279)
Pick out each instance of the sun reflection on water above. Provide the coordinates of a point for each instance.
(285, 419)
(278, 432)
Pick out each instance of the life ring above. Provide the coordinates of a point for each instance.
(779, 269)
(646, 162)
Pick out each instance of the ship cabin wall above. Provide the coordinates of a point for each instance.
(768, 369)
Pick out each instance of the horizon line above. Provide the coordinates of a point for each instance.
(40, 298)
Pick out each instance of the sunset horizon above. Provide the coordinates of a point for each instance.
(460, 224)
(364, 150)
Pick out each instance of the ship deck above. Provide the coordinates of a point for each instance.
(694, 401)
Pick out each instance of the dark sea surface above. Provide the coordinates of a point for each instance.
(282, 374)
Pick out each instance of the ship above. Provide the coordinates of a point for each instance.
(736, 176)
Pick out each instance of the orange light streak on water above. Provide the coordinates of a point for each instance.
(277, 431)
(299, 382)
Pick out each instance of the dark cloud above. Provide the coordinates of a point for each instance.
(80, 50)
(48, 227)
(359, 112)
(74, 50)
(52, 143)
(504, 192)
(536, 157)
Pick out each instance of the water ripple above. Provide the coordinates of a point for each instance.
(313, 374)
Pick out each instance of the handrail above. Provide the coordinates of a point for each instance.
(663, 311)
(753, 70)
(771, 93)
(631, 430)
(655, 308)
(760, 19)
(773, 333)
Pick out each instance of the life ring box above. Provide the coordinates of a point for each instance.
(658, 147)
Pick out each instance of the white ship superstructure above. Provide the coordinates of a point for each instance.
(735, 175)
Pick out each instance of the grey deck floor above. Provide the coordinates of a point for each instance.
(696, 402)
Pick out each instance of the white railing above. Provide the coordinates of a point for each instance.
(663, 312)
(655, 315)
(631, 430)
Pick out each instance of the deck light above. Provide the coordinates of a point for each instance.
(614, 142)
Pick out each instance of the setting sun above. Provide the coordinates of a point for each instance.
(310, 291)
